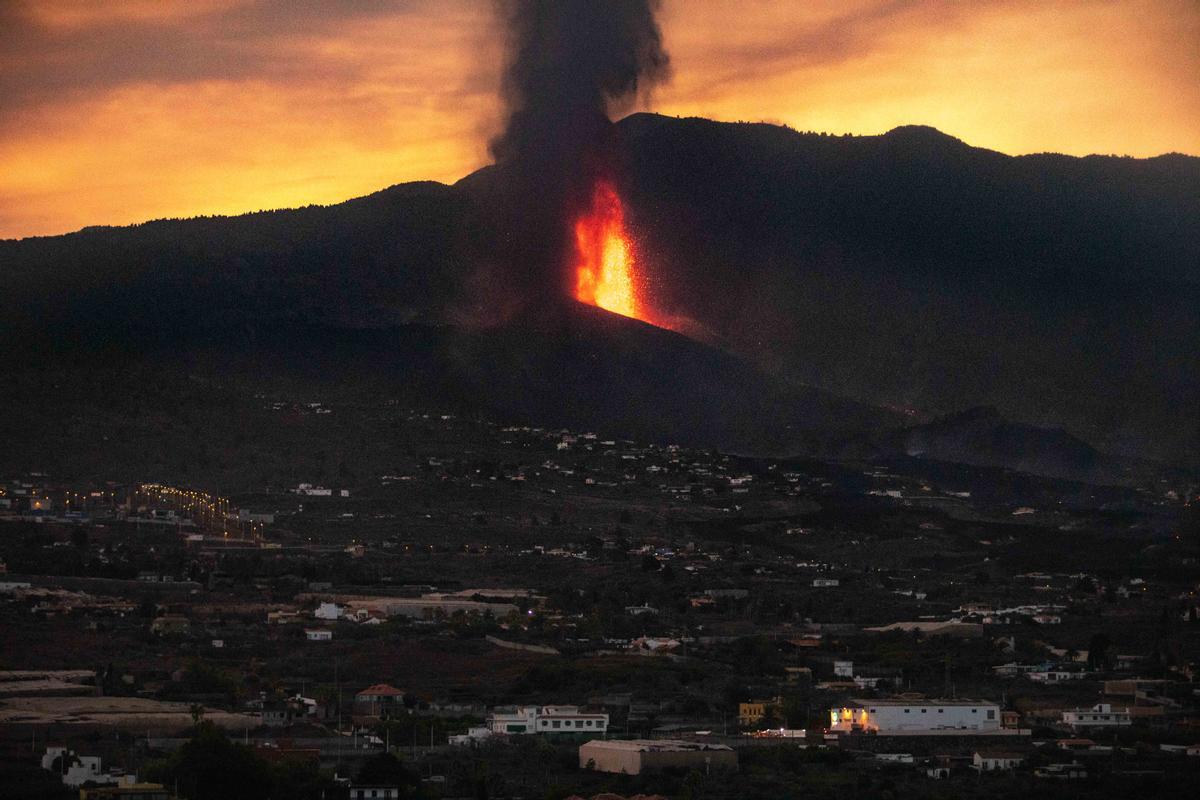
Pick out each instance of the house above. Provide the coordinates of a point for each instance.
(378, 701)
(318, 634)
(475, 733)
(994, 761)
(1101, 715)
(755, 711)
(1012, 669)
(823, 583)
(545, 719)
(282, 617)
(276, 715)
(633, 757)
(75, 770)
(843, 669)
(328, 611)
(1056, 675)
(916, 716)
(1062, 772)
(374, 792)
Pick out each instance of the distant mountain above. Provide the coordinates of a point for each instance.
(907, 270)
(912, 270)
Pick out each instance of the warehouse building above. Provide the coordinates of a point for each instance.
(636, 756)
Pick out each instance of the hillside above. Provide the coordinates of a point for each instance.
(906, 270)
(912, 270)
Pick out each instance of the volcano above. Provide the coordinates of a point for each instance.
(844, 284)
(604, 265)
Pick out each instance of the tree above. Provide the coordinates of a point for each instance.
(1098, 651)
(211, 767)
(385, 769)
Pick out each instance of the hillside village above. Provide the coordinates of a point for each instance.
(639, 617)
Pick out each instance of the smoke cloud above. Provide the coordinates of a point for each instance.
(570, 65)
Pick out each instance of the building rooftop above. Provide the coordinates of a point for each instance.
(895, 701)
(654, 745)
(381, 689)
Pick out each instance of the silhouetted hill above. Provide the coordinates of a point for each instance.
(912, 270)
(981, 436)
(905, 270)
(193, 409)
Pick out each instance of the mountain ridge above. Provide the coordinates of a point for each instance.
(907, 269)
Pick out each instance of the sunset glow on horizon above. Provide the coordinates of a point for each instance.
(121, 112)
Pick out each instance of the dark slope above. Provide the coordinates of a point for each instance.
(907, 269)
(910, 269)
(393, 256)
(193, 408)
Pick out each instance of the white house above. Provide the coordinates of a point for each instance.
(824, 583)
(374, 792)
(996, 761)
(1062, 772)
(546, 719)
(474, 734)
(76, 770)
(843, 669)
(318, 634)
(1056, 675)
(1101, 715)
(329, 611)
(916, 716)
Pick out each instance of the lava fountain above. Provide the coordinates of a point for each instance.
(604, 258)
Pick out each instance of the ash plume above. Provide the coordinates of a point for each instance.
(570, 64)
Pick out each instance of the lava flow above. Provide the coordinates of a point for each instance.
(604, 262)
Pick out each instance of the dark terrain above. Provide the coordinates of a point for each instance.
(907, 271)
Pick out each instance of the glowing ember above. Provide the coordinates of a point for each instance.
(604, 262)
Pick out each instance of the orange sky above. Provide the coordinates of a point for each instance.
(128, 110)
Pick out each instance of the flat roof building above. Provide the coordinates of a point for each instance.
(916, 717)
(633, 757)
(546, 719)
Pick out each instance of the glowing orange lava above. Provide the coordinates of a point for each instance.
(604, 262)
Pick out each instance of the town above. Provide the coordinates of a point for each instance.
(513, 611)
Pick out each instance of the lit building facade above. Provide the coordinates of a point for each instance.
(916, 716)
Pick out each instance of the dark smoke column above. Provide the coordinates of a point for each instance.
(570, 63)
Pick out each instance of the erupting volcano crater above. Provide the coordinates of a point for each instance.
(605, 266)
